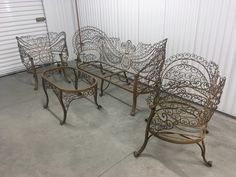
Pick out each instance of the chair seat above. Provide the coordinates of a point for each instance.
(178, 138)
(176, 120)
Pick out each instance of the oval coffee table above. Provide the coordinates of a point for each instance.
(69, 84)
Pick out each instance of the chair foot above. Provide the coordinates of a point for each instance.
(96, 102)
(209, 163)
(35, 81)
(134, 104)
(36, 85)
(136, 154)
(203, 150)
(132, 113)
(64, 118)
(62, 122)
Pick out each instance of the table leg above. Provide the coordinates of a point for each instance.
(95, 99)
(46, 93)
(63, 108)
(126, 78)
(33, 69)
(135, 95)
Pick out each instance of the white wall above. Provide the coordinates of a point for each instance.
(60, 16)
(204, 27)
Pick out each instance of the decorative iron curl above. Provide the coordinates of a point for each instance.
(124, 55)
(42, 48)
(189, 94)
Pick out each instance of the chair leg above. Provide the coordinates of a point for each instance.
(126, 78)
(207, 131)
(203, 149)
(132, 113)
(135, 94)
(35, 81)
(65, 76)
(46, 93)
(101, 88)
(33, 70)
(95, 99)
(147, 136)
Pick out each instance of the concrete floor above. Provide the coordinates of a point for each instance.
(98, 143)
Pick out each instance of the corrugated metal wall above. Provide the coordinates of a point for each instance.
(204, 27)
(17, 18)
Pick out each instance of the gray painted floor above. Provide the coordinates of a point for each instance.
(98, 143)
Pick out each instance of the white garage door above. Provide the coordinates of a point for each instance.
(17, 18)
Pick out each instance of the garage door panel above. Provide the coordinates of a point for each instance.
(32, 17)
(6, 31)
(17, 18)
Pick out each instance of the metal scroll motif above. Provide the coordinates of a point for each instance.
(190, 92)
(86, 78)
(151, 71)
(124, 55)
(125, 47)
(68, 96)
(42, 48)
(128, 47)
(185, 101)
(48, 85)
(125, 62)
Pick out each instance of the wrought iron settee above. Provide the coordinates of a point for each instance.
(40, 50)
(132, 68)
(186, 101)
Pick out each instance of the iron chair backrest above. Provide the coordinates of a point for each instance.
(185, 101)
(144, 59)
(42, 48)
(129, 57)
(190, 92)
(86, 42)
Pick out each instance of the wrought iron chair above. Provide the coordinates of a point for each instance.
(185, 102)
(40, 50)
(131, 67)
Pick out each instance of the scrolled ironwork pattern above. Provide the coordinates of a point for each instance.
(68, 97)
(123, 55)
(61, 86)
(38, 50)
(42, 48)
(192, 82)
(137, 67)
(184, 103)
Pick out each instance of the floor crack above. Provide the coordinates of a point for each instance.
(105, 171)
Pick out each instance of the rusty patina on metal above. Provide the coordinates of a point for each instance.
(77, 84)
(134, 68)
(40, 50)
(184, 104)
